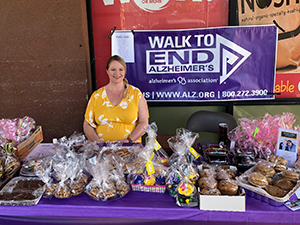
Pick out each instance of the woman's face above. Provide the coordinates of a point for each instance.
(116, 72)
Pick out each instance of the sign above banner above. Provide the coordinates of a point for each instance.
(213, 64)
(149, 15)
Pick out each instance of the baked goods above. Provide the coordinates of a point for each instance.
(103, 191)
(265, 168)
(257, 179)
(107, 152)
(220, 182)
(50, 189)
(212, 191)
(290, 175)
(207, 183)
(124, 152)
(270, 180)
(228, 187)
(280, 162)
(11, 165)
(82, 178)
(122, 189)
(62, 192)
(187, 194)
(217, 155)
(209, 172)
(93, 192)
(275, 191)
(225, 174)
(76, 188)
(284, 184)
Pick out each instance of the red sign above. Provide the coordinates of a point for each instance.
(288, 84)
(285, 15)
(149, 15)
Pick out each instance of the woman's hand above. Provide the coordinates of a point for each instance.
(124, 141)
(90, 132)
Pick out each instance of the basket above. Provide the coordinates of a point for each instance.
(261, 194)
(146, 188)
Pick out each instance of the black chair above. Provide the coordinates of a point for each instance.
(208, 121)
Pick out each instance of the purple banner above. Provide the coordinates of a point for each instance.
(214, 64)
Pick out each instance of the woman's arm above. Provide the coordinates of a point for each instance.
(90, 132)
(143, 119)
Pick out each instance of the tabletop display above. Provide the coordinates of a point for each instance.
(69, 177)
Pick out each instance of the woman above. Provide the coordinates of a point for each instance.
(291, 146)
(117, 111)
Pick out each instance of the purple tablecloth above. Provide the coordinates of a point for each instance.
(138, 208)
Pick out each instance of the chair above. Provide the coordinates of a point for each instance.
(208, 121)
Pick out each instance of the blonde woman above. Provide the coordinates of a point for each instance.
(117, 111)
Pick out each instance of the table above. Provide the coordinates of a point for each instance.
(140, 208)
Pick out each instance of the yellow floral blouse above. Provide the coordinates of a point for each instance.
(113, 122)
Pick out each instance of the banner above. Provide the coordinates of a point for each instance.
(228, 63)
(285, 14)
(149, 15)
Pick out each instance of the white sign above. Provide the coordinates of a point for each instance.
(122, 44)
(287, 145)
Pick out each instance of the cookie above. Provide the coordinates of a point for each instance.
(107, 152)
(82, 178)
(284, 184)
(62, 193)
(50, 189)
(76, 188)
(122, 189)
(275, 191)
(11, 165)
(279, 161)
(207, 183)
(93, 192)
(228, 187)
(270, 180)
(265, 168)
(124, 153)
(212, 191)
(223, 175)
(257, 179)
(108, 194)
(207, 173)
(290, 175)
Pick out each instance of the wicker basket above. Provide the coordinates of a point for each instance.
(146, 188)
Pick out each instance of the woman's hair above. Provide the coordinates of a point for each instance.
(122, 62)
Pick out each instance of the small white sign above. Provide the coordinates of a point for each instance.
(287, 145)
(122, 44)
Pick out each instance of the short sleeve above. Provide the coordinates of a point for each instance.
(90, 111)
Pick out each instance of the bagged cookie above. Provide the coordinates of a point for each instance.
(148, 175)
(10, 162)
(187, 195)
(182, 146)
(43, 171)
(160, 155)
